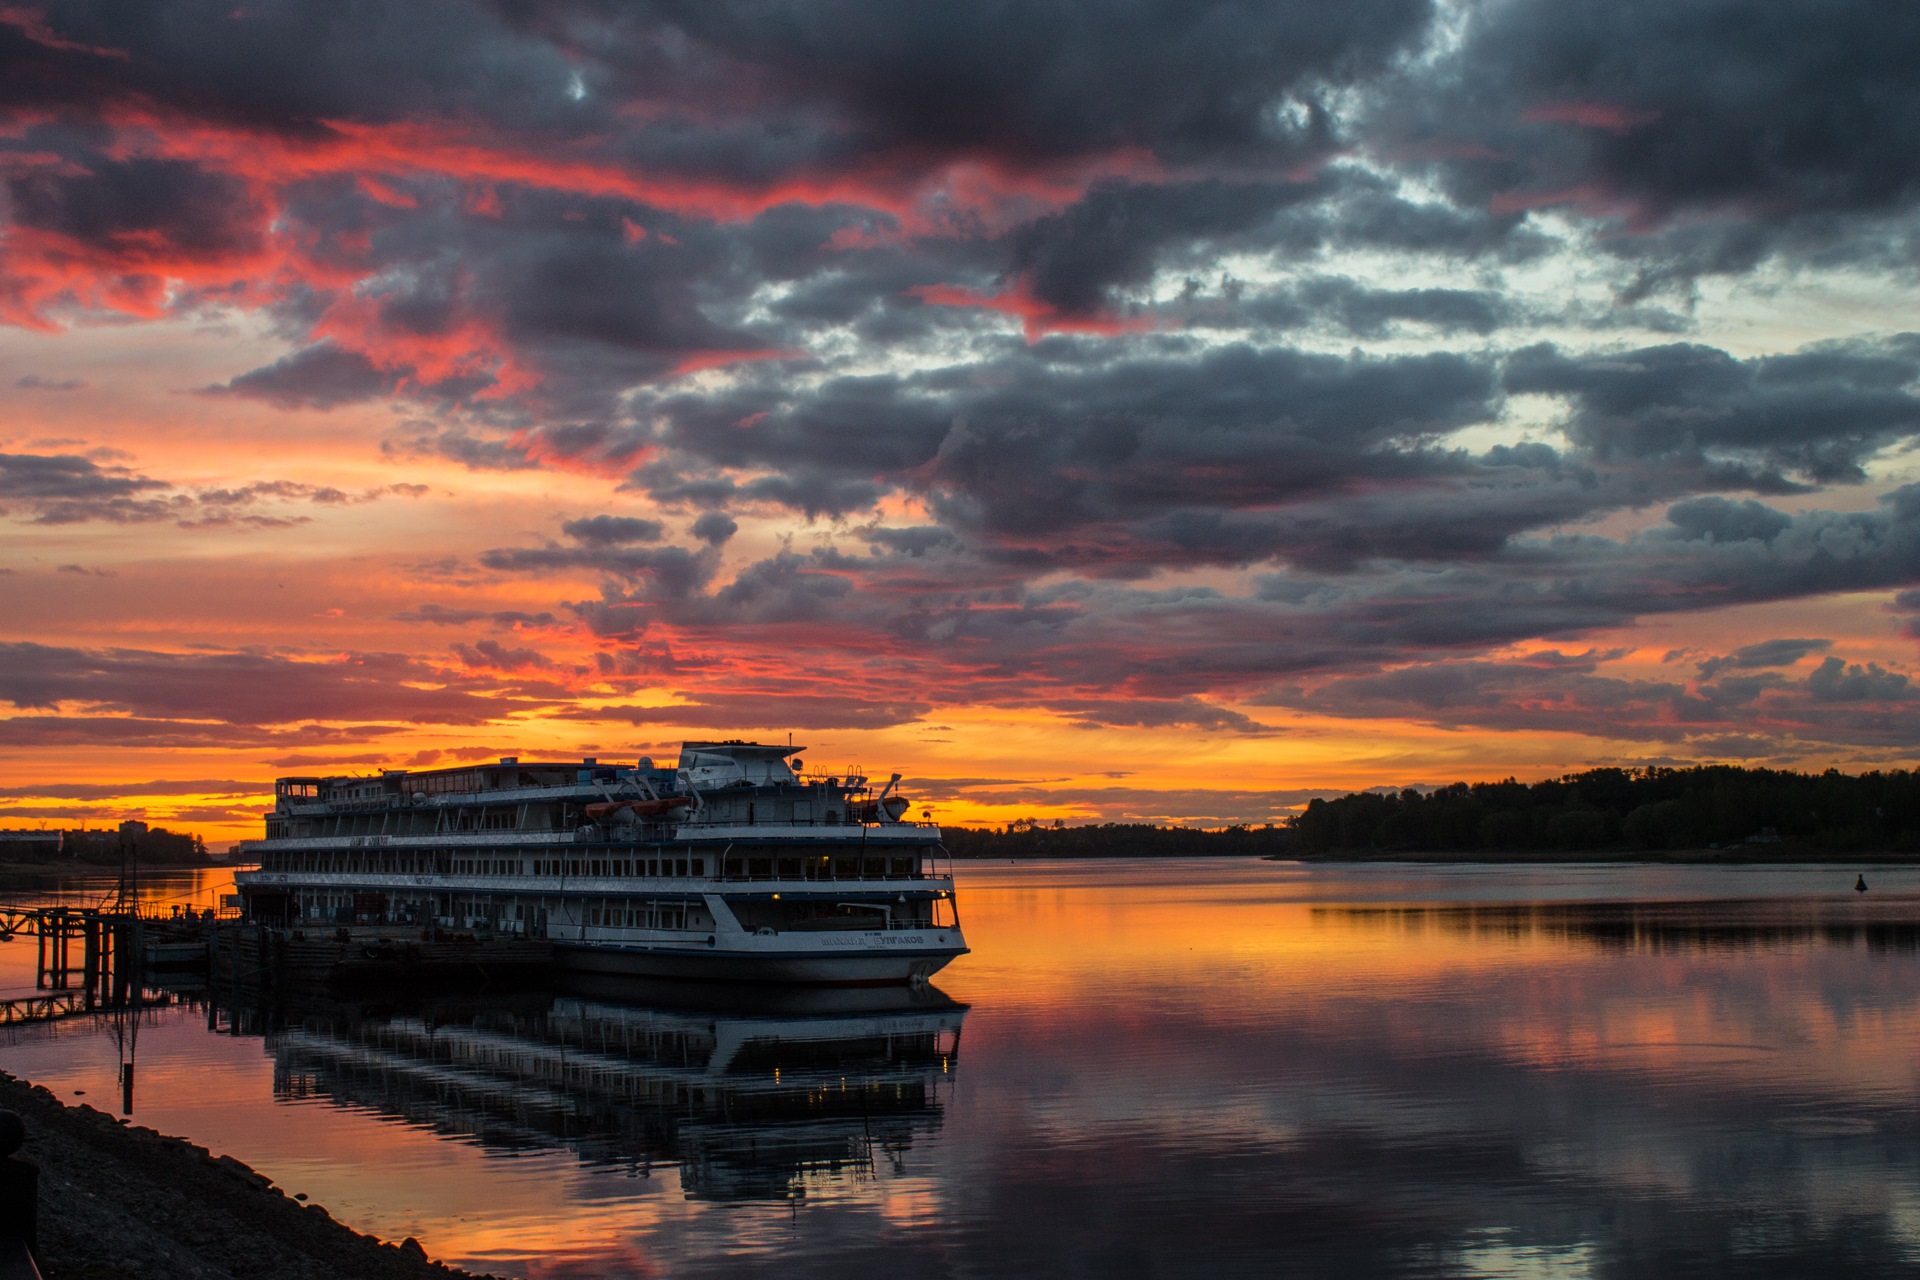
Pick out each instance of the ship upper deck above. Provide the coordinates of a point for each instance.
(714, 790)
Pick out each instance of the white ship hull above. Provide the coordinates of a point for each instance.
(874, 966)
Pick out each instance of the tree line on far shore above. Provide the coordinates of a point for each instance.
(1627, 809)
(155, 846)
(1027, 839)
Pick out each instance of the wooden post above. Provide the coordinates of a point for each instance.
(213, 975)
(233, 962)
(90, 955)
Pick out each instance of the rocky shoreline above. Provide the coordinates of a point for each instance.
(121, 1202)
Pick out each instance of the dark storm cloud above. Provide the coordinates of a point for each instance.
(613, 531)
(1182, 713)
(113, 790)
(501, 619)
(1780, 124)
(672, 565)
(1835, 680)
(714, 528)
(233, 688)
(319, 377)
(283, 68)
(1057, 644)
(105, 732)
(1190, 80)
(56, 489)
(1767, 653)
(1116, 234)
(1048, 444)
(109, 203)
(1370, 313)
(67, 489)
(764, 711)
(1818, 413)
(491, 655)
(1822, 709)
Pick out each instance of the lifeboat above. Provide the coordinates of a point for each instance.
(887, 809)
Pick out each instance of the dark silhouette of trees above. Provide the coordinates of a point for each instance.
(157, 847)
(1027, 838)
(1627, 810)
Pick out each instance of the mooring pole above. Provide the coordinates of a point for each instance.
(233, 1009)
(90, 954)
(213, 976)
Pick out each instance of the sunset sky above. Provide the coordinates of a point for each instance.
(1103, 411)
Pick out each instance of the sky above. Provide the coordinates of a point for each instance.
(1117, 411)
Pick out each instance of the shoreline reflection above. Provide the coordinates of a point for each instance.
(1889, 924)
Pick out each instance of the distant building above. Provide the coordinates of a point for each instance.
(31, 846)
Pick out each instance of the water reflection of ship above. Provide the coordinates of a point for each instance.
(749, 1104)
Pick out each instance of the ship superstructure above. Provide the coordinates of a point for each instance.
(733, 864)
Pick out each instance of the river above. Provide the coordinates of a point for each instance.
(1208, 1067)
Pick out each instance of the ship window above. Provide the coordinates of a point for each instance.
(679, 866)
(698, 866)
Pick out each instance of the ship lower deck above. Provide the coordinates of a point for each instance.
(875, 965)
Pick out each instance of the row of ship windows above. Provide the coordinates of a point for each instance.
(635, 913)
(392, 864)
(581, 866)
(819, 867)
(614, 913)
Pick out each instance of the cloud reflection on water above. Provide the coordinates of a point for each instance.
(1215, 1068)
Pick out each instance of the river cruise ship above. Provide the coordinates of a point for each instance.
(732, 865)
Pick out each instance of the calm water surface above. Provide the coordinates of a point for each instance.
(1214, 1067)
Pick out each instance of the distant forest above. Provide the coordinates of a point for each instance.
(154, 847)
(1600, 811)
(1627, 809)
(1027, 839)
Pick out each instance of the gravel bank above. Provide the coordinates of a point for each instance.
(122, 1202)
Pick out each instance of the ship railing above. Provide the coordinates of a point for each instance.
(854, 824)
